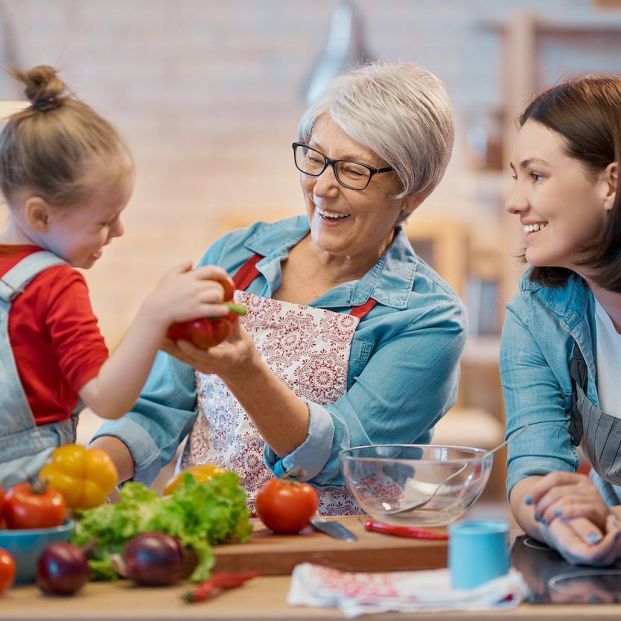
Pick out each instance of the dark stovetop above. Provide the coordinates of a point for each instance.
(554, 581)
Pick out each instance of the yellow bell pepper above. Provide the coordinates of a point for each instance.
(85, 477)
(201, 473)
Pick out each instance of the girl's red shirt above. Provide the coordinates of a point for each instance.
(53, 332)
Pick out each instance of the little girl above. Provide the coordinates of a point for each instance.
(66, 176)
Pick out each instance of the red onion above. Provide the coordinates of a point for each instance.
(61, 569)
(153, 559)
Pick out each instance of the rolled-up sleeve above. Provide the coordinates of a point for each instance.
(533, 397)
(160, 419)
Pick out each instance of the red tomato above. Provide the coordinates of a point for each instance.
(286, 506)
(205, 333)
(29, 505)
(7, 570)
(2, 493)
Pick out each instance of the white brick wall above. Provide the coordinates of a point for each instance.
(197, 87)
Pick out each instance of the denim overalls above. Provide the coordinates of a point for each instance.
(24, 447)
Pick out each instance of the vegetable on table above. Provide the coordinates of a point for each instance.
(7, 570)
(216, 584)
(153, 559)
(61, 569)
(208, 332)
(201, 473)
(85, 477)
(198, 515)
(34, 505)
(286, 506)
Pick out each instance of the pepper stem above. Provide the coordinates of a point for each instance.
(238, 309)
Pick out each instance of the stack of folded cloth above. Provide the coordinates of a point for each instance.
(408, 591)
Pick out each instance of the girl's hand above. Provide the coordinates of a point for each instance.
(184, 294)
(567, 496)
(568, 538)
(232, 358)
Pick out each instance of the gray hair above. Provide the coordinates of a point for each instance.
(398, 110)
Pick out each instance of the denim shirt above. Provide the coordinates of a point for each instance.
(542, 326)
(403, 365)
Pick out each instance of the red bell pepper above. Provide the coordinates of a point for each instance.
(208, 332)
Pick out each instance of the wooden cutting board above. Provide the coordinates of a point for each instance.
(271, 554)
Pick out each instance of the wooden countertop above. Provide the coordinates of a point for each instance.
(262, 599)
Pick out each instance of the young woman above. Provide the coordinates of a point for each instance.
(561, 343)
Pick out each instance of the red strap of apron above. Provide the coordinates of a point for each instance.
(248, 272)
(364, 309)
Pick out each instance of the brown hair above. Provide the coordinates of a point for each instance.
(587, 113)
(45, 147)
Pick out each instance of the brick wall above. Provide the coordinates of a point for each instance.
(207, 94)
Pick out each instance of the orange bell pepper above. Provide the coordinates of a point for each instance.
(85, 477)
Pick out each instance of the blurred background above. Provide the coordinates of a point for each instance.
(208, 94)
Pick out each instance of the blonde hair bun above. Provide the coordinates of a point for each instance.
(44, 88)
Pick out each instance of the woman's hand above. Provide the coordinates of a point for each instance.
(232, 358)
(568, 539)
(567, 511)
(567, 496)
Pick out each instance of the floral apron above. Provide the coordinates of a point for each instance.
(308, 349)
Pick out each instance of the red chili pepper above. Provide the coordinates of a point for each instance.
(411, 532)
(216, 584)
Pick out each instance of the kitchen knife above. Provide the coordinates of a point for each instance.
(334, 529)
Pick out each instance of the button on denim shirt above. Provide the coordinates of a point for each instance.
(542, 326)
(403, 365)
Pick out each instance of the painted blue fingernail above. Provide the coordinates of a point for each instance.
(557, 512)
(528, 500)
(538, 518)
(593, 538)
(617, 535)
(544, 521)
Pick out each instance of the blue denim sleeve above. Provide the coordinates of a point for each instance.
(532, 396)
(160, 420)
(401, 391)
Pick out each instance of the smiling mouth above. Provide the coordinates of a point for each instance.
(332, 216)
(534, 228)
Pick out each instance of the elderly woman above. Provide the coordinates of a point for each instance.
(350, 338)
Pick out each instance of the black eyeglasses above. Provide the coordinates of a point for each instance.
(352, 175)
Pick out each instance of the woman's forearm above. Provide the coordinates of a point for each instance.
(119, 453)
(281, 417)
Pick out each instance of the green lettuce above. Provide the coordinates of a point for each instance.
(199, 515)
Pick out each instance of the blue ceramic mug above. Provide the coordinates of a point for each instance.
(478, 552)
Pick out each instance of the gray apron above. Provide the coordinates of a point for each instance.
(24, 446)
(598, 433)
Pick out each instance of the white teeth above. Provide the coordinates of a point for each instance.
(531, 228)
(324, 213)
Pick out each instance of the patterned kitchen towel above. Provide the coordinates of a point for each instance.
(357, 593)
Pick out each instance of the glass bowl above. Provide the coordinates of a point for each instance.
(27, 545)
(444, 481)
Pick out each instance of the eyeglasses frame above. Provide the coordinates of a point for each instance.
(373, 170)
